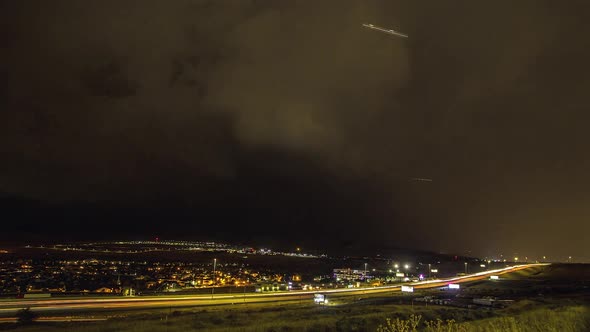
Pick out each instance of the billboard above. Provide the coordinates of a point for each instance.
(400, 275)
(319, 298)
(408, 289)
(454, 286)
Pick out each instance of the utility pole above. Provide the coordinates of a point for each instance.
(214, 277)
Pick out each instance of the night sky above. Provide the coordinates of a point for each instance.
(288, 122)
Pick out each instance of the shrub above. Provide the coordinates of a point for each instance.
(401, 325)
(26, 316)
(444, 326)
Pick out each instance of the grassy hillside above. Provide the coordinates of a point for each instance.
(347, 318)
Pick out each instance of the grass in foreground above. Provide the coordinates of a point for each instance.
(344, 318)
(571, 319)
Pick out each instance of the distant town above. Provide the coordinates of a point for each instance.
(154, 267)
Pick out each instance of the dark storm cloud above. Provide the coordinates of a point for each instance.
(108, 80)
(123, 68)
(203, 104)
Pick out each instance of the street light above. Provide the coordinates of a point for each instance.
(465, 267)
(407, 266)
(214, 276)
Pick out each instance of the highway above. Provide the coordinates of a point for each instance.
(48, 306)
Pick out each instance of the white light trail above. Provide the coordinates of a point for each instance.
(387, 31)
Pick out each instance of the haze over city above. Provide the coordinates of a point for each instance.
(289, 123)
